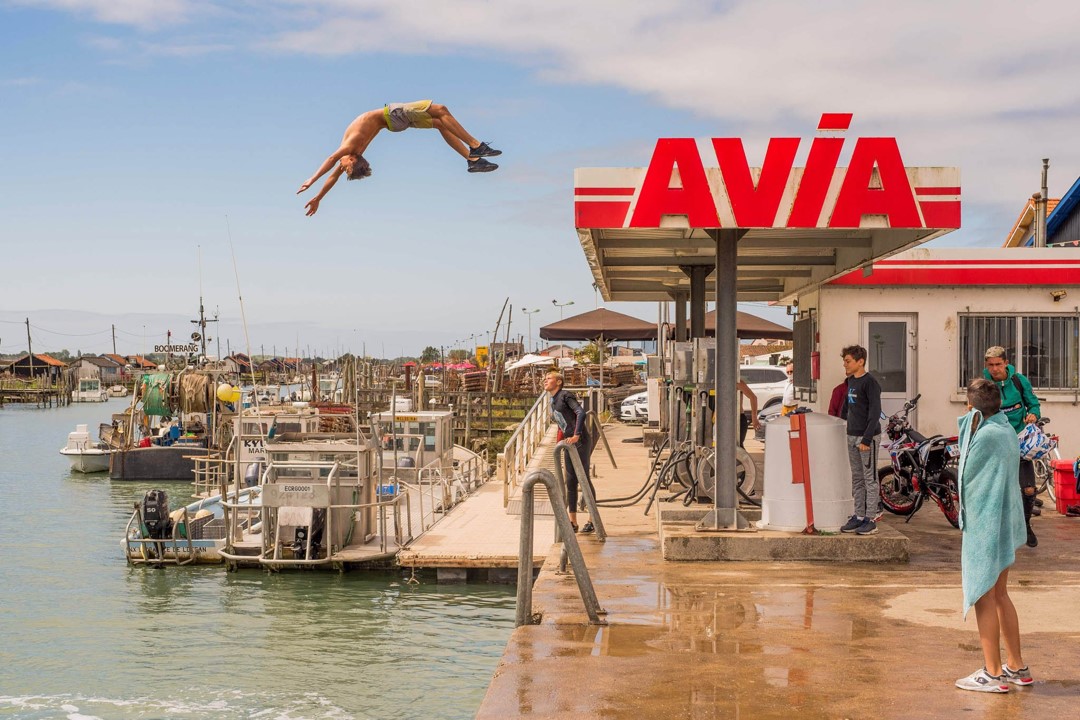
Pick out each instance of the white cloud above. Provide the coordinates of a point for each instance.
(145, 14)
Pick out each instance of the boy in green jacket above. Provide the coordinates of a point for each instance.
(1021, 407)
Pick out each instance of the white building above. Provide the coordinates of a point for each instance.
(926, 316)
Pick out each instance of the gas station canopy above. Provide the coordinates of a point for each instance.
(644, 229)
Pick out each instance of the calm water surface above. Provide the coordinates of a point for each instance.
(82, 635)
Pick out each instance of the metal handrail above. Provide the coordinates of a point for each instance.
(569, 451)
(519, 449)
(524, 614)
(160, 544)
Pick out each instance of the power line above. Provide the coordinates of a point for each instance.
(54, 332)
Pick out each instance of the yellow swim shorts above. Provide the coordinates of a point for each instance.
(400, 116)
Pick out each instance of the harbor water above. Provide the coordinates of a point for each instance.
(83, 635)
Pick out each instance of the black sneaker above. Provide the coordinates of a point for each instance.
(483, 150)
(482, 165)
(1032, 541)
(1038, 502)
(869, 527)
(854, 523)
(587, 528)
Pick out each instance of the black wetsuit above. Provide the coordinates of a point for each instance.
(568, 414)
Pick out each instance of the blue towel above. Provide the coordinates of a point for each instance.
(991, 511)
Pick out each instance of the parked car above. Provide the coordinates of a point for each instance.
(635, 408)
(764, 416)
(767, 382)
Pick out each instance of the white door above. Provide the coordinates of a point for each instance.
(891, 342)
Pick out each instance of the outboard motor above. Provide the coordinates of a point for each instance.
(252, 474)
(299, 546)
(155, 515)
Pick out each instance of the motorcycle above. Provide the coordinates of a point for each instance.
(920, 467)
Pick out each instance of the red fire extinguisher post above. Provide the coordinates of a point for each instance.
(800, 465)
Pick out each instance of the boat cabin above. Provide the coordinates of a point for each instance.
(416, 441)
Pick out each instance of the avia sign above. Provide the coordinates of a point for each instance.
(875, 190)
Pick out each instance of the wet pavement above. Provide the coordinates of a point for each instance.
(780, 640)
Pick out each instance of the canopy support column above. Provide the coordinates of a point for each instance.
(679, 297)
(725, 514)
(697, 274)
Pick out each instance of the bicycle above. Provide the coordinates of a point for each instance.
(1044, 469)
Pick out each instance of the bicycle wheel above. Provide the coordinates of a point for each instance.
(1051, 490)
(1044, 475)
(897, 493)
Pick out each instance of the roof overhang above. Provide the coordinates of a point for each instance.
(643, 229)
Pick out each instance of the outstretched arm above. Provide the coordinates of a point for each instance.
(323, 169)
(749, 395)
(313, 204)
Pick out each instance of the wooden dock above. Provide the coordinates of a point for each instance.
(477, 534)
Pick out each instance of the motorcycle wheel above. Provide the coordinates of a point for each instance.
(950, 499)
(897, 494)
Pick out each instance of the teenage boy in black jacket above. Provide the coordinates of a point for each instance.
(862, 409)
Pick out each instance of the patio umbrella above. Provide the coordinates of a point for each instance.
(600, 325)
(750, 327)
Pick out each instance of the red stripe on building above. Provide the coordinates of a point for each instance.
(957, 276)
(604, 191)
(937, 191)
(963, 263)
(599, 214)
(834, 121)
(941, 214)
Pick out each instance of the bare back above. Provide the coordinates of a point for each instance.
(362, 131)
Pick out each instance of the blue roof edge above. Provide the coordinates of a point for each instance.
(1064, 208)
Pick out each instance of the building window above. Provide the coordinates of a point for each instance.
(1041, 347)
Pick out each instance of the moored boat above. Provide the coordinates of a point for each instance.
(85, 455)
(89, 390)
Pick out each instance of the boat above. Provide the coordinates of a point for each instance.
(89, 390)
(118, 391)
(85, 455)
(174, 418)
(288, 494)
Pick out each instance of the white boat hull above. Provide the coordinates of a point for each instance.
(87, 461)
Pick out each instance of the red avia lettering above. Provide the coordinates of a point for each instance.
(894, 198)
(875, 183)
(694, 199)
(755, 206)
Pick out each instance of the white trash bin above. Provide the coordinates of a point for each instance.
(783, 504)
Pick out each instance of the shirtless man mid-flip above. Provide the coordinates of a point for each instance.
(396, 117)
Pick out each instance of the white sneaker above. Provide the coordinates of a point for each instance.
(982, 681)
(1017, 677)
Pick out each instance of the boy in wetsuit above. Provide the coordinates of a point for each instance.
(568, 414)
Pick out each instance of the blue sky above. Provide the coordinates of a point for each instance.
(135, 132)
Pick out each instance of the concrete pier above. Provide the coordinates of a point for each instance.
(769, 639)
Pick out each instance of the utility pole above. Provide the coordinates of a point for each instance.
(114, 339)
(529, 314)
(29, 350)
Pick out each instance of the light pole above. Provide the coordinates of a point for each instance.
(529, 314)
(560, 305)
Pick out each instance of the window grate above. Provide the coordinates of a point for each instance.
(1048, 354)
